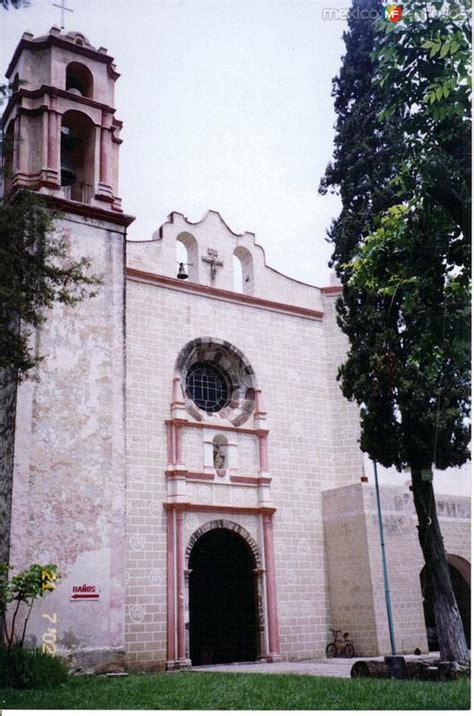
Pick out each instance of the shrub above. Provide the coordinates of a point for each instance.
(30, 668)
(22, 589)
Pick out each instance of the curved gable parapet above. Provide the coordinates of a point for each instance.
(212, 249)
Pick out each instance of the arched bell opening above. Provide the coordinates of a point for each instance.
(242, 267)
(223, 600)
(187, 257)
(459, 571)
(79, 80)
(77, 156)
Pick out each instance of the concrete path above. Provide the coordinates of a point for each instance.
(317, 667)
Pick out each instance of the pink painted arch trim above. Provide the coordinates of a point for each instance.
(226, 509)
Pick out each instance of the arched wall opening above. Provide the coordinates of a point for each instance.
(460, 573)
(187, 253)
(223, 599)
(79, 80)
(77, 156)
(243, 274)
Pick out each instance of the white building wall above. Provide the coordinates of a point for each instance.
(69, 478)
(289, 354)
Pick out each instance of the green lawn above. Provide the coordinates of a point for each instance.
(239, 691)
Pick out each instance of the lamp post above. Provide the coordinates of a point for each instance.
(388, 600)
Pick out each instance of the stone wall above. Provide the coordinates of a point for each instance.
(355, 565)
(312, 433)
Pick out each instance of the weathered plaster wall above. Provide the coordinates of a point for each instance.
(7, 447)
(69, 481)
(47, 66)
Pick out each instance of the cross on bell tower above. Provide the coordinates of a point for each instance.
(63, 9)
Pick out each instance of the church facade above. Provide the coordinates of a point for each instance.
(184, 453)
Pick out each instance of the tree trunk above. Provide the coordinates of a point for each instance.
(452, 641)
(370, 669)
(8, 388)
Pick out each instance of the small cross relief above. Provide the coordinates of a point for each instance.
(213, 262)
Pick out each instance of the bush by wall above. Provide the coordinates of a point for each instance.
(30, 668)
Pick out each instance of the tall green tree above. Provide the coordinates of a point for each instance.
(364, 151)
(405, 269)
(364, 165)
(424, 66)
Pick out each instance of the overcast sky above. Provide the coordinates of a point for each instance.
(226, 105)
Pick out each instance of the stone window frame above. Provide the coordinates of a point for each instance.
(239, 373)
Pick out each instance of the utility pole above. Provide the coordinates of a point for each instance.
(388, 600)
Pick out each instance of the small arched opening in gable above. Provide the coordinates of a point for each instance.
(77, 156)
(79, 80)
(243, 273)
(187, 254)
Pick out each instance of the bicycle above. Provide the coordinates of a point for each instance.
(341, 646)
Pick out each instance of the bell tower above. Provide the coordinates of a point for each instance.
(60, 118)
(68, 499)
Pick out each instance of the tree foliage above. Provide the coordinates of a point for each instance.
(409, 365)
(402, 250)
(22, 589)
(410, 370)
(423, 64)
(7, 4)
(364, 149)
(36, 271)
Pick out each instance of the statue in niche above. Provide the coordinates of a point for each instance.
(219, 457)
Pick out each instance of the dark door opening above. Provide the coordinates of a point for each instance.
(222, 600)
(462, 592)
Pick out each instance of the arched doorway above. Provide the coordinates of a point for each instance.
(223, 623)
(459, 570)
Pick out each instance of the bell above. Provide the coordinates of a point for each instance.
(182, 272)
(74, 85)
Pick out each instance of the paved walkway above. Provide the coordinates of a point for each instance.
(316, 667)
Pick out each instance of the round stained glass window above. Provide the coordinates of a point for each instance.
(208, 387)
